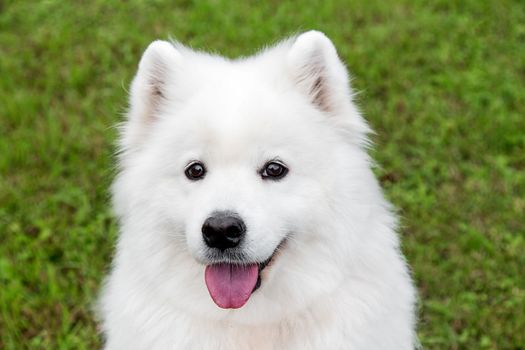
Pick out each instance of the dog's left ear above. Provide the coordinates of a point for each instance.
(318, 72)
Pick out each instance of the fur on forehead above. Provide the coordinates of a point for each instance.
(170, 75)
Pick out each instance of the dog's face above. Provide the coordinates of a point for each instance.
(248, 179)
(232, 176)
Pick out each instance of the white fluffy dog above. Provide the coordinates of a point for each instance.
(249, 214)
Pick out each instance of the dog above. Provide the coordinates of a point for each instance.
(250, 217)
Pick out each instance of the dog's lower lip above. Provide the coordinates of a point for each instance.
(261, 267)
(265, 263)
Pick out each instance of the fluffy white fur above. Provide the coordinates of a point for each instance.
(339, 282)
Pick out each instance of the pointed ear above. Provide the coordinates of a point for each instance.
(318, 72)
(151, 86)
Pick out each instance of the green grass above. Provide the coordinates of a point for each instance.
(442, 83)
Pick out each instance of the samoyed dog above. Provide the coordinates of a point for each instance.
(249, 215)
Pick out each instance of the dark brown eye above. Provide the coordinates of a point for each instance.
(195, 171)
(274, 171)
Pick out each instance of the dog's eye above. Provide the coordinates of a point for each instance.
(274, 171)
(195, 171)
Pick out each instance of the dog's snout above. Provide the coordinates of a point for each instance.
(223, 231)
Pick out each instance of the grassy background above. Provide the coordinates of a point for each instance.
(441, 82)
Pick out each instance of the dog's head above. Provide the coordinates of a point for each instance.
(243, 176)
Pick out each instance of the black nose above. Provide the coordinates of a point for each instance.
(223, 230)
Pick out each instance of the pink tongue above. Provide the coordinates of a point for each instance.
(230, 286)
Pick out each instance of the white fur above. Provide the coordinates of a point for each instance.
(339, 282)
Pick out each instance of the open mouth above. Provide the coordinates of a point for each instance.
(230, 285)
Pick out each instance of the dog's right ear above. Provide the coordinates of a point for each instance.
(150, 87)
